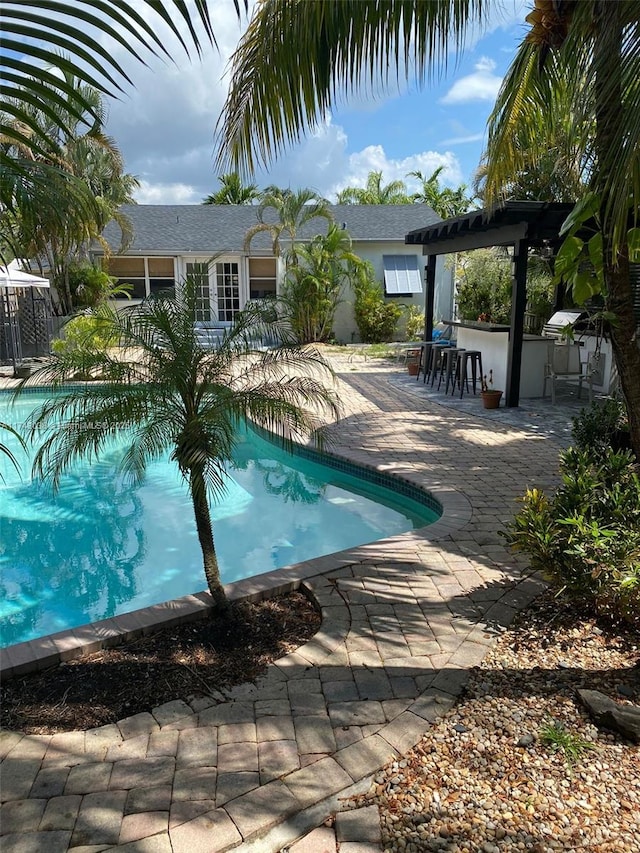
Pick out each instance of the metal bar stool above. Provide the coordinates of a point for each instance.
(435, 361)
(448, 369)
(475, 357)
(425, 360)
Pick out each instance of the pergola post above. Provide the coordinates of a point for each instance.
(516, 332)
(429, 297)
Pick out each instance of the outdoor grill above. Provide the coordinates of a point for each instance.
(575, 318)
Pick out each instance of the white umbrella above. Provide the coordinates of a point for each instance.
(13, 276)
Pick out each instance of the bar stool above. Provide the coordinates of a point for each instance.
(436, 359)
(448, 368)
(475, 357)
(425, 359)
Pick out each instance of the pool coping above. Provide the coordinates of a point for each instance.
(53, 649)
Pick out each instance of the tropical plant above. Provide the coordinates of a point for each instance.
(233, 191)
(376, 319)
(375, 192)
(282, 213)
(33, 35)
(445, 201)
(79, 148)
(414, 325)
(167, 392)
(483, 288)
(291, 65)
(587, 536)
(6, 451)
(315, 282)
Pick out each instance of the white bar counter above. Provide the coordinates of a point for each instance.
(492, 339)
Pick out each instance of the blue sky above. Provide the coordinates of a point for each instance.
(164, 126)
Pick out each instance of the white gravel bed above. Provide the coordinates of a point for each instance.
(483, 779)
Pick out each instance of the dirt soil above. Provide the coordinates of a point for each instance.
(177, 663)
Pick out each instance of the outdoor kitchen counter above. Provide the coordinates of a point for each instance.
(492, 339)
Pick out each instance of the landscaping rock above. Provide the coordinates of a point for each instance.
(624, 719)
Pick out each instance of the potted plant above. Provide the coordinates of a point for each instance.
(490, 396)
(413, 361)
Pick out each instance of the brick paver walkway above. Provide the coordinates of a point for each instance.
(403, 621)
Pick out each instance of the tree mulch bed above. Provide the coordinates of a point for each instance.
(182, 662)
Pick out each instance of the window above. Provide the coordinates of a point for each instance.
(128, 271)
(401, 275)
(198, 271)
(146, 275)
(228, 290)
(262, 278)
(161, 274)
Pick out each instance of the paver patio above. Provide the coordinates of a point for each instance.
(404, 620)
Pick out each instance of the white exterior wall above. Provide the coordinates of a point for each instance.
(344, 327)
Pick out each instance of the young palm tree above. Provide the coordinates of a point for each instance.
(283, 212)
(233, 191)
(296, 59)
(168, 393)
(375, 192)
(313, 287)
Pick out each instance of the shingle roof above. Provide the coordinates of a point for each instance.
(209, 228)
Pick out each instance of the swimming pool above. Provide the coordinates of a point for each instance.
(102, 547)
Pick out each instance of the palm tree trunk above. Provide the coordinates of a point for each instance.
(198, 490)
(609, 136)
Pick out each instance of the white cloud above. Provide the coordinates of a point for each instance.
(373, 158)
(463, 140)
(154, 193)
(482, 85)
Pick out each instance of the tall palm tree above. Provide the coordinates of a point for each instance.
(78, 147)
(445, 201)
(169, 393)
(233, 191)
(283, 212)
(375, 192)
(292, 64)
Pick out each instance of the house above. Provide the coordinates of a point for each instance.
(172, 242)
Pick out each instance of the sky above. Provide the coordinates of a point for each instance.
(164, 125)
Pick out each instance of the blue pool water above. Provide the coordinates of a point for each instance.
(101, 546)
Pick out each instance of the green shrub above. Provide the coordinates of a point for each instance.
(587, 537)
(600, 427)
(415, 323)
(89, 285)
(376, 319)
(84, 336)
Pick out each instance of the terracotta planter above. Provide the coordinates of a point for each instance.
(491, 399)
(412, 367)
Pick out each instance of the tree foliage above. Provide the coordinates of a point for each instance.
(375, 192)
(167, 392)
(233, 191)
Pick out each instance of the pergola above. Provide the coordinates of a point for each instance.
(521, 224)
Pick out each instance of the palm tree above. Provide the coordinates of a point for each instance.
(445, 201)
(375, 192)
(34, 33)
(78, 148)
(314, 284)
(168, 393)
(233, 191)
(296, 59)
(293, 209)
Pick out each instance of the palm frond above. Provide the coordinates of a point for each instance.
(281, 86)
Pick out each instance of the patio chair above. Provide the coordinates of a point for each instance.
(564, 362)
